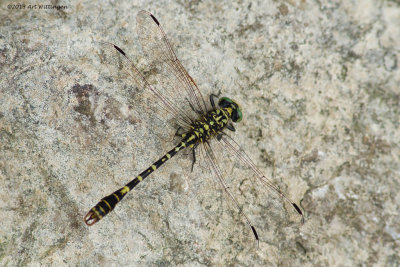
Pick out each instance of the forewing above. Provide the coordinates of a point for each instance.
(174, 80)
(120, 64)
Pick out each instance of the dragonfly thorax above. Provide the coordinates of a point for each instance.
(214, 121)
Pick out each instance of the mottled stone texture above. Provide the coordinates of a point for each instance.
(318, 82)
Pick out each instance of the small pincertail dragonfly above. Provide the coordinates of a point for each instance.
(182, 99)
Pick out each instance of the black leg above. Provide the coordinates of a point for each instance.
(191, 106)
(194, 156)
(177, 131)
(212, 96)
(212, 100)
(231, 127)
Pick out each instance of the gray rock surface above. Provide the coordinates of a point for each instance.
(318, 82)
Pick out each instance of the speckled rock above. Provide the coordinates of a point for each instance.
(318, 82)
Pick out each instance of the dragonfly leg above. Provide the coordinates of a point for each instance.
(212, 96)
(194, 156)
(179, 131)
(195, 110)
(230, 127)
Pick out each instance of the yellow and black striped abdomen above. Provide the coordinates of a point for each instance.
(108, 203)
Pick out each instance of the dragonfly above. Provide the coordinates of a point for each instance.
(202, 123)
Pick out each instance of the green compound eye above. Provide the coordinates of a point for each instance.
(237, 115)
(225, 102)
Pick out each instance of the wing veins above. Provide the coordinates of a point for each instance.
(162, 51)
(236, 151)
(214, 163)
(142, 82)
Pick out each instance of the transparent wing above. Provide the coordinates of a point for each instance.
(119, 63)
(213, 163)
(176, 83)
(281, 203)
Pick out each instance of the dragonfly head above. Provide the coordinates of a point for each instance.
(236, 115)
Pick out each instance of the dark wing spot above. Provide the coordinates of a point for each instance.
(119, 50)
(297, 209)
(255, 234)
(155, 20)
